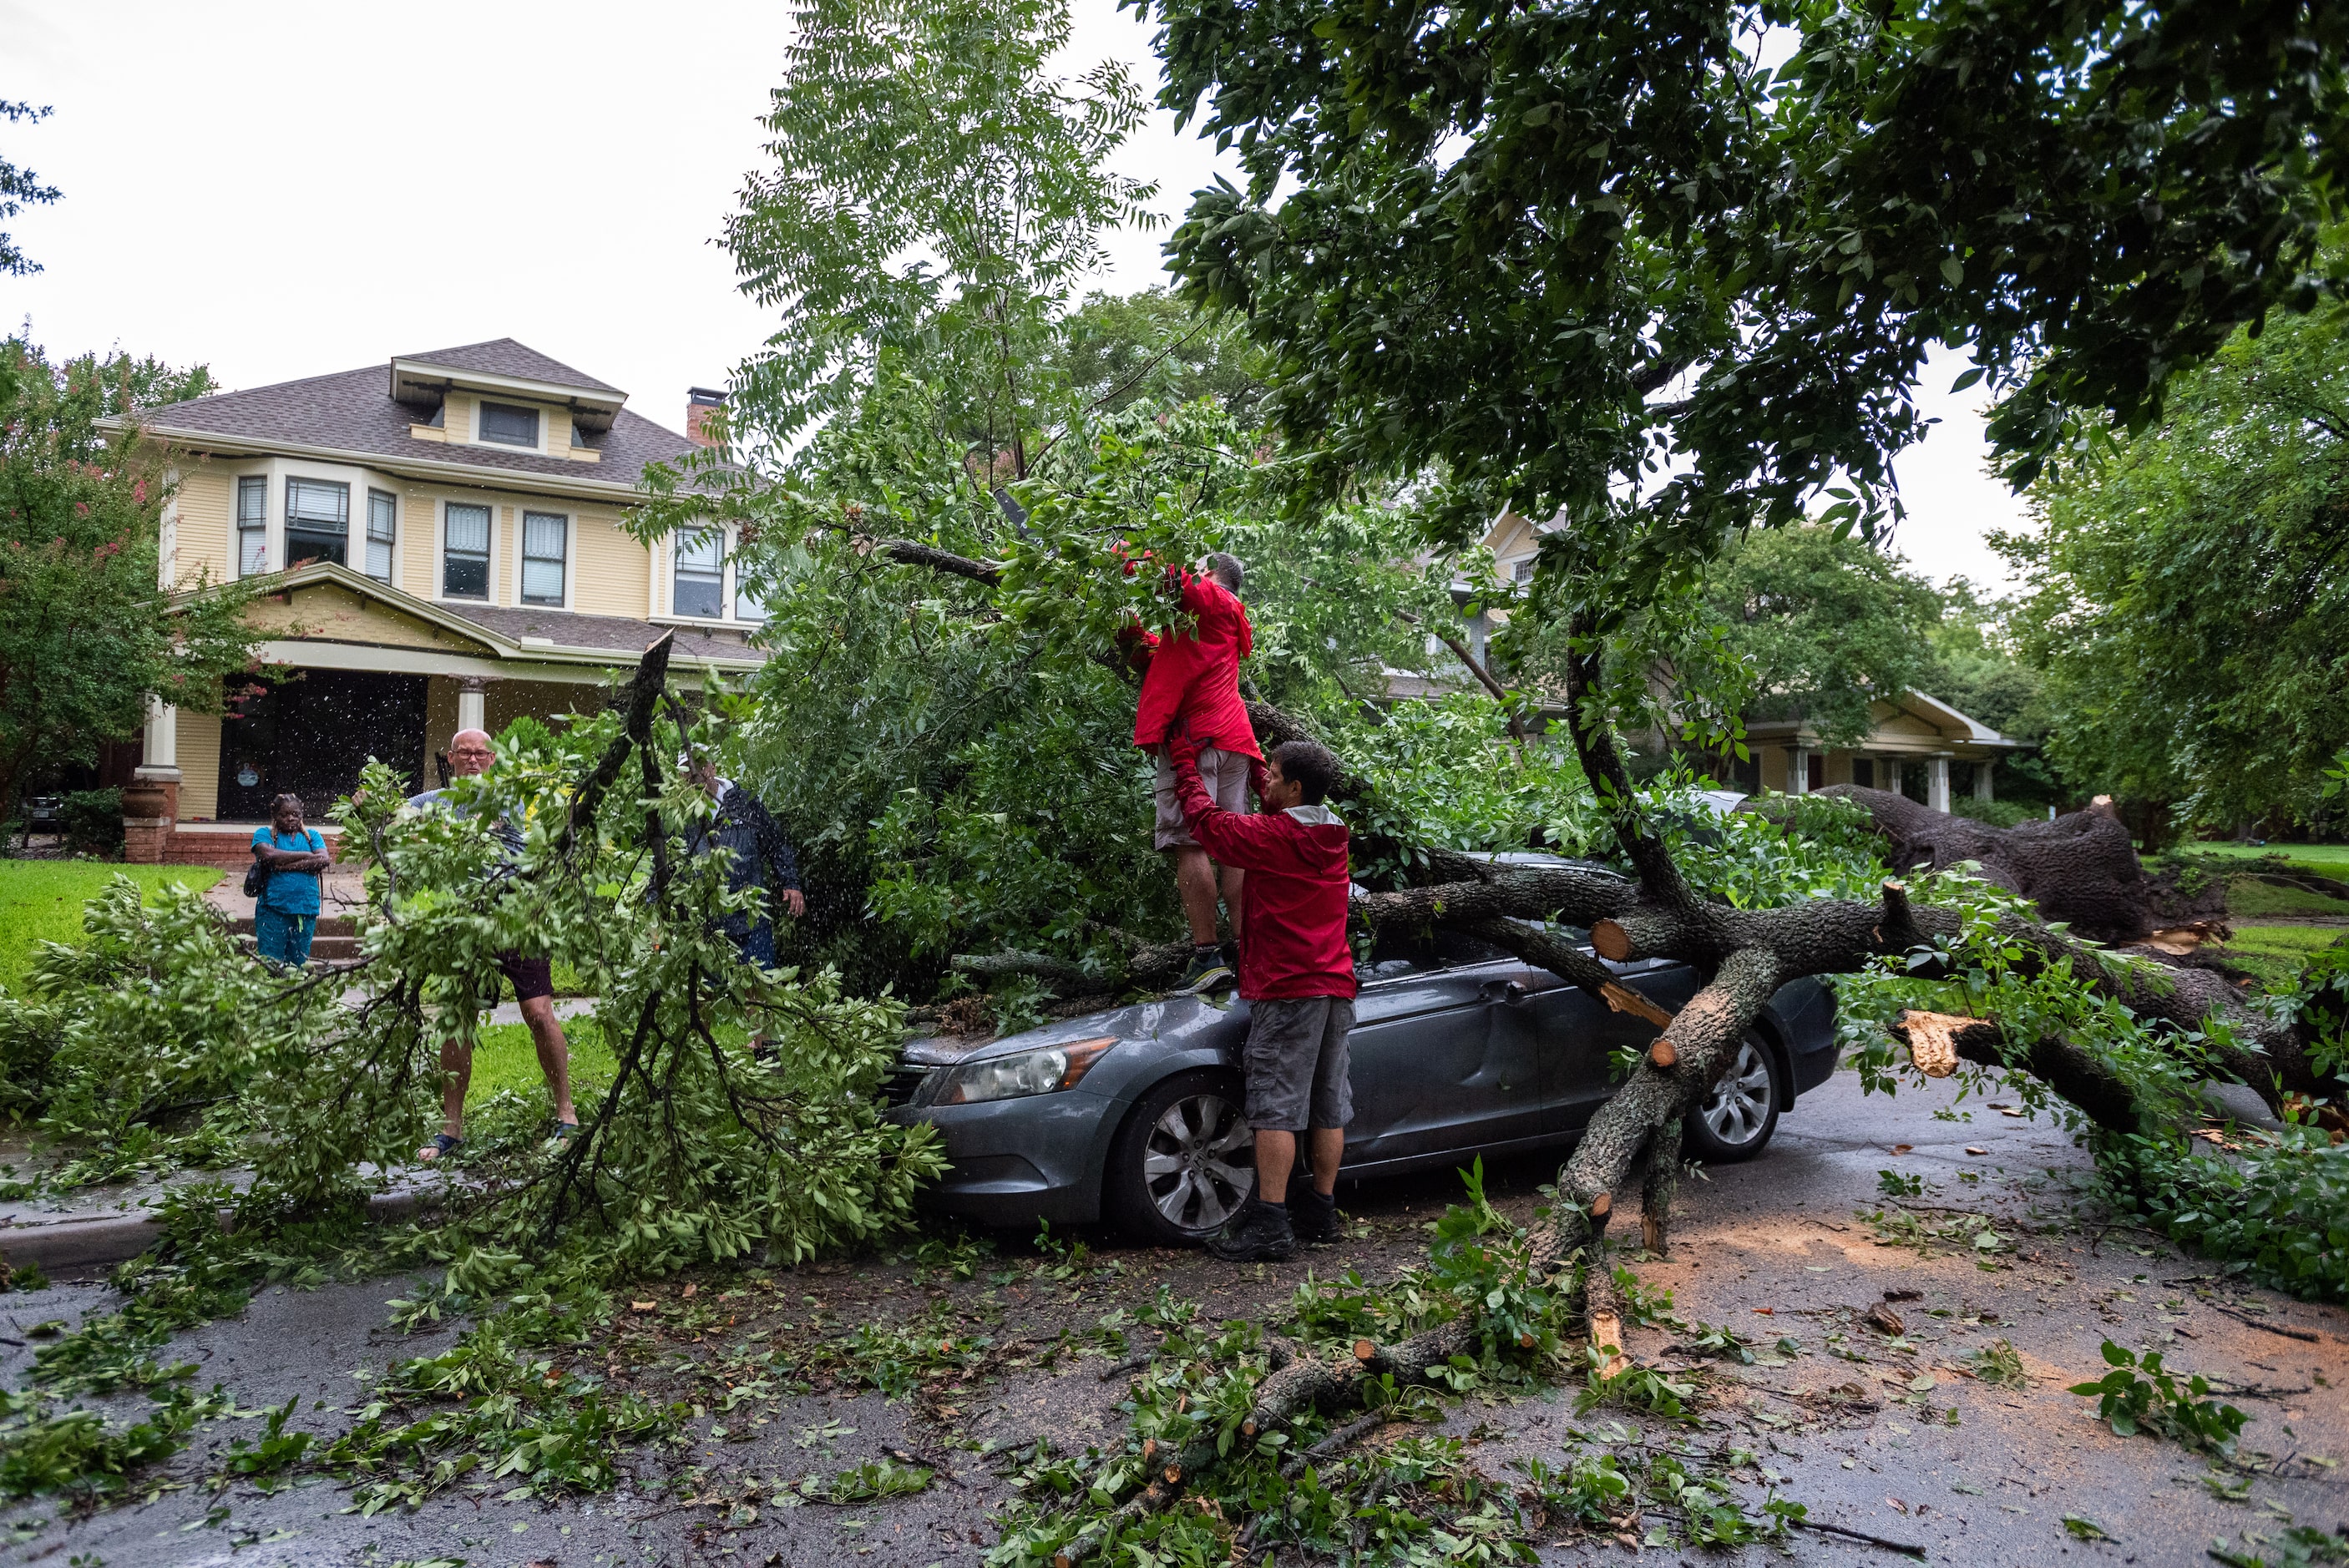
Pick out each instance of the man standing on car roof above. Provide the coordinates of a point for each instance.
(1296, 976)
(1191, 692)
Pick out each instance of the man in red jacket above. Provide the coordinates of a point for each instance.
(1191, 689)
(1297, 975)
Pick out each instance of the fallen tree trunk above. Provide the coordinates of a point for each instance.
(2074, 869)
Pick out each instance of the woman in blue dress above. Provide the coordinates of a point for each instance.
(286, 915)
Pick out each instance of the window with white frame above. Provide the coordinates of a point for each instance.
(699, 589)
(317, 522)
(465, 552)
(383, 532)
(509, 425)
(545, 538)
(748, 604)
(1523, 572)
(252, 525)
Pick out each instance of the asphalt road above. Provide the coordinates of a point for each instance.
(1895, 1442)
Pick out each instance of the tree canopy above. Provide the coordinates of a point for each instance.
(1601, 259)
(1825, 624)
(2188, 584)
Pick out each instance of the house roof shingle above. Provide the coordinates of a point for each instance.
(353, 411)
(504, 357)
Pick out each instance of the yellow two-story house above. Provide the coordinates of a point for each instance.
(443, 544)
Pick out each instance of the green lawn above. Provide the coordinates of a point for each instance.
(2274, 953)
(503, 1059)
(2248, 898)
(2325, 860)
(40, 901)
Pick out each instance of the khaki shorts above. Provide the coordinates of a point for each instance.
(1225, 774)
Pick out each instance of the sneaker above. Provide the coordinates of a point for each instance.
(1312, 1217)
(1257, 1233)
(1206, 971)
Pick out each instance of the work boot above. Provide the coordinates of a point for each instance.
(1312, 1215)
(1257, 1233)
(1206, 971)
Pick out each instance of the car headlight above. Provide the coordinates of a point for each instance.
(1022, 1073)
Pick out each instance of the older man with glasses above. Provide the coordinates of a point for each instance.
(470, 752)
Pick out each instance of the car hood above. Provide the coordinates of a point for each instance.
(1170, 1016)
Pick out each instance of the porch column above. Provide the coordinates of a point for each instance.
(1982, 778)
(1798, 770)
(1937, 783)
(151, 806)
(472, 710)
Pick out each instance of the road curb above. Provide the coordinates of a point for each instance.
(83, 1241)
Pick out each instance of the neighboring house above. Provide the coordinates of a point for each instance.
(1918, 743)
(445, 546)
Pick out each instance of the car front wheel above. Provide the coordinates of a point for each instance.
(1184, 1160)
(1734, 1122)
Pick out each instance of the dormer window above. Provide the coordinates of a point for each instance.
(509, 425)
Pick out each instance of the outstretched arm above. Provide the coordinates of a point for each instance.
(1247, 843)
(782, 865)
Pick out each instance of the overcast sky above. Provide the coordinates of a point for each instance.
(283, 189)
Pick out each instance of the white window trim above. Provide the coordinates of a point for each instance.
(665, 588)
(570, 553)
(544, 420)
(398, 527)
(285, 479)
(441, 593)
(725, 581)
(272, 546)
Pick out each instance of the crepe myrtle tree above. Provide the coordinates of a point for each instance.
(87, 635)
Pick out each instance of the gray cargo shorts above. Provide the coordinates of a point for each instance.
(1297, 1065)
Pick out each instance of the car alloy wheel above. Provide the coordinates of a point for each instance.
(1198, 1161)
(1739, 1109)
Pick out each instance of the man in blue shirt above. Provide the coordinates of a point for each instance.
(286, 915)
(470, 752)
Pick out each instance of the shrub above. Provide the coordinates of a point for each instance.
(92, 822)
(1996, 813)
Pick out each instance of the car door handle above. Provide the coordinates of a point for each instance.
(1508, 992)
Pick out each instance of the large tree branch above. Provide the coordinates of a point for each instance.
(1602, 765)
(645, 689)
(907, 552)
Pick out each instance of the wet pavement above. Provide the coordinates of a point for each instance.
(1891, 1435)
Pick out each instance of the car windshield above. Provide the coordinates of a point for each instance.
(1397, 957)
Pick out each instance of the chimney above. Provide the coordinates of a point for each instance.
(700, 403)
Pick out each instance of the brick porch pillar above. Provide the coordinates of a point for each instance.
(151, 805)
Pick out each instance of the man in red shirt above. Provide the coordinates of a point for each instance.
(1191, 690)
(1297, 975)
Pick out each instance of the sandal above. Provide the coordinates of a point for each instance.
(566, 1131)
(442, 1144)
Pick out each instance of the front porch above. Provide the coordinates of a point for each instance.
(370, 672)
